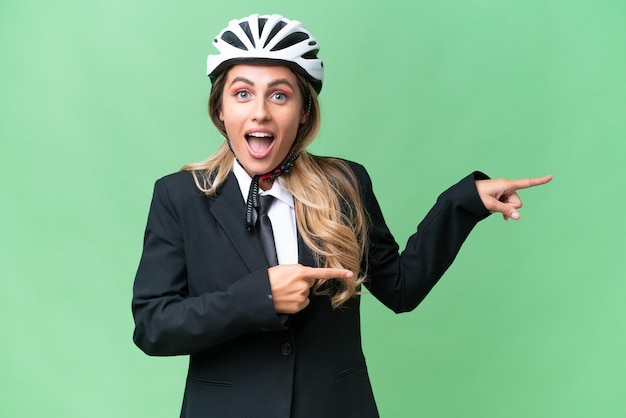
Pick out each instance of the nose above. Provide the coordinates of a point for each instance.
(261, 111)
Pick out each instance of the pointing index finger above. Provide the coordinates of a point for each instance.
(328, 273)
(526, 183)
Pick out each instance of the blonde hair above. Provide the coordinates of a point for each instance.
(329, 211)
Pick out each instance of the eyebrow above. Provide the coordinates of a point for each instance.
(273, 83)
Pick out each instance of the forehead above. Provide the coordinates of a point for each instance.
(261, 73)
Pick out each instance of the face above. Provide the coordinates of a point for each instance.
(261, 111)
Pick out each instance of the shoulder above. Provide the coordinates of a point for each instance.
(178, 180)
(357, 169)
(348, 177)
(361, 175)
(177, 186)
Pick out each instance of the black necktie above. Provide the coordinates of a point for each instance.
(264, 226)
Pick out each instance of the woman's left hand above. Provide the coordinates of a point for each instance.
(500, 195)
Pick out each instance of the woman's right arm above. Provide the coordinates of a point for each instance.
(168, 319)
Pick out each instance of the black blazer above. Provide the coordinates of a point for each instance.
(202, 289)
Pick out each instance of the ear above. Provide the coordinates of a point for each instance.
(221, 115)
(306, 111)
(305, 115)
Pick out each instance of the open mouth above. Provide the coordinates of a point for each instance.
(259, 143)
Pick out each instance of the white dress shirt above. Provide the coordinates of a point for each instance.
(282, 214)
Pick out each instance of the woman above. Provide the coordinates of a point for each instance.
(273, 330)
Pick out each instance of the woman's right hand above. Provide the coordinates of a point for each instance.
(291, 284)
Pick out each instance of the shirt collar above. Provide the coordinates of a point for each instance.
(278, 190)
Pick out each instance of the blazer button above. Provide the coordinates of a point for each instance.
(286, 349)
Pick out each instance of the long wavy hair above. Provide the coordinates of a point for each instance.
(329, 212)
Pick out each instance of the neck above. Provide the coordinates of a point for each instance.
(265, 185)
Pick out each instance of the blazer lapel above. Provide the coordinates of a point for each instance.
(228, 208)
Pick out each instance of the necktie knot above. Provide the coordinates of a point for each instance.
(265, 201)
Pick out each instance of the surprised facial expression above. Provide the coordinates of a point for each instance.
(261, 110)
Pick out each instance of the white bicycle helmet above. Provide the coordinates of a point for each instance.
(267, 38)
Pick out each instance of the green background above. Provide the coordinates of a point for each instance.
(99, 99)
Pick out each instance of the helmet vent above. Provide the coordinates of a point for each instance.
(311, 55)
(232, 39)
(274, 31)
(290, 40)
(248, 32)
(262, 21)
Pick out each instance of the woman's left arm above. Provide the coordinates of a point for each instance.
(401, 281)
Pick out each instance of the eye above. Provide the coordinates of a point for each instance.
(242, 94)
(279, 96)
